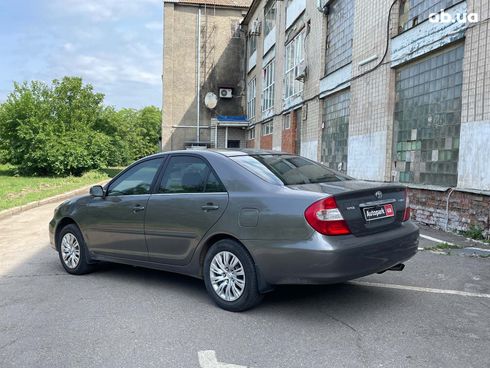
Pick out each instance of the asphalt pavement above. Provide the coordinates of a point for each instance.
(436, 313)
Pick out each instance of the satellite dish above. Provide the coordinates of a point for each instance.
(211, 100)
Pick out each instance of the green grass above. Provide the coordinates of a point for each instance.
(446, 246)
(18, 190)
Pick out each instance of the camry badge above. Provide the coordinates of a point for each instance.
(378, 194)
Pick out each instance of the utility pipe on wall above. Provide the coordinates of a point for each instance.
(198, 74)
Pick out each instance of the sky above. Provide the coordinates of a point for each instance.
(116, 45)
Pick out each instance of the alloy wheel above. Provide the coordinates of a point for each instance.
(227, 276)
(70, 250)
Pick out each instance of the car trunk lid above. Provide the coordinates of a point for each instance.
(366, 207)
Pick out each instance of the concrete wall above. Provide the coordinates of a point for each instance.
(221, 66)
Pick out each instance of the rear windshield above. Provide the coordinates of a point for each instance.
(288, 169)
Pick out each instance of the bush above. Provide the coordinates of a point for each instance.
(64, 129)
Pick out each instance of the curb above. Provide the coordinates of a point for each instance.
(59, 197)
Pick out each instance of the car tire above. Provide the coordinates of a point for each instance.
(72, 251)
(233, 286)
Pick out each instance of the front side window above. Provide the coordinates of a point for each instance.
(137, 180)
(288, 169)
(340, 33)
(189, 174)
(251, 98)
(270, 16)
(268, 84)
(295, 55)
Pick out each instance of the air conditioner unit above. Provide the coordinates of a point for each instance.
(301, 72)
(225, 93)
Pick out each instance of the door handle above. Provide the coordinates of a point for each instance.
(210, 207)
(138, 208)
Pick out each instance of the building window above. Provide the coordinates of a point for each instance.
(340, 23)
(413, 12)
(252, 44)
(251, 97)
(270, 10)
(428, 118)
(267, 128)
(295, 55)
(268, 85)
(286, 121)
(336, 111)
(251, 134)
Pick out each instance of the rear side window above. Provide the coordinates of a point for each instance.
(288, 169)
(189, 174)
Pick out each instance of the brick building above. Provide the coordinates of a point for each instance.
(378, 90)
(203, 53)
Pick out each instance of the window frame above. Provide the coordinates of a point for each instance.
(267, 128)
(296, 53)
(251, 100)
(270, 7)
(107, 187)
(286, 118)
(333, 61)
(163, 170)
(268, 86)
(251, 134)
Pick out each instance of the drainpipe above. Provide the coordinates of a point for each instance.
(198, 73)
(226, 137)
(447, 207)
(216, 135)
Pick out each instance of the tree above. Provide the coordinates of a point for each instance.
(64, 128)
(48, 130)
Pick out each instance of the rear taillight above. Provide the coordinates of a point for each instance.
(406, 213)
(325, 217)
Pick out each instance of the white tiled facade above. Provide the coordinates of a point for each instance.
(380, 147)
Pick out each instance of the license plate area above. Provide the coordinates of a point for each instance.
(373, 213)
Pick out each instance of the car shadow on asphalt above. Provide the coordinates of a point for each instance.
(310, 299)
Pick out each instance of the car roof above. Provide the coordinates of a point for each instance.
(224, 152)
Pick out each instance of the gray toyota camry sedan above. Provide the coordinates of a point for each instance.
(243, 221)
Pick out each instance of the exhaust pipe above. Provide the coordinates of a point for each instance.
(398, 267)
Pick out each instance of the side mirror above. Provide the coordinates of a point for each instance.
(97, 191)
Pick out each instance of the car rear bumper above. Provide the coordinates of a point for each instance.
(325, 260)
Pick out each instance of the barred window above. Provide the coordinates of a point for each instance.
(267, 128)
(428, 119)
(268, 85)
(270, 10)
(336, 111)
(340, 30)
(295, 55)
(251, 97)
(413, 12)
